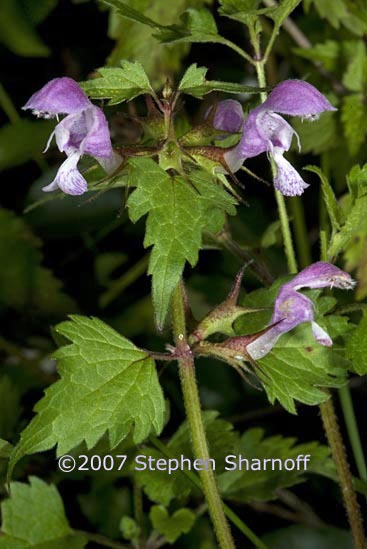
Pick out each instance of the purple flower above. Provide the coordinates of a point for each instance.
(228, 116)
(292, 308)
(83, 131)
(265, 131)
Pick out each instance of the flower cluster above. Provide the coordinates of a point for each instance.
(83, 131)
(292, 308)
(265, 130)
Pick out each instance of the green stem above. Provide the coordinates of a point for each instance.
(352, 428)
(286, 231)
(327, 408)
(335, 440)
(283, 216)
(300, 232)
(231, 515)
(102, 540)
(236, 48)
(195, 420)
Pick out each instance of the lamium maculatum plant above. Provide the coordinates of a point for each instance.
(172, 148)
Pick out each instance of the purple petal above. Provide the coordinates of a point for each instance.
(86, 132)
(68, 177)
(228, 116)
(59, 96)
(297, 98)
(322, 275)
(253, 141)
(287, 179)
(275, 130)
(292, 308)
(97, 141)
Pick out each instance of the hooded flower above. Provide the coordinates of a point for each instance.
(292, 308)
(228, 116)
(266, 131)
(83, 131)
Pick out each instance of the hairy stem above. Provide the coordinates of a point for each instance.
(195, 420)
(327, 408)
(335, 440)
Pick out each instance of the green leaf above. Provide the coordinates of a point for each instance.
(339, 12)
(304, 537)
(244, 11)
(5, 449)
(107, 384)
(327, 53)
(332, 206)
(129, 528)
(23, 282)
(222, 439)
(17, 31)
(119, 84)
(298, 367)
(34, 516)
(282, 11)
(355, 222)
(194, 83)
(38, 11)
(137, 41)
(171, 527)
(318, 136)
(22, 141)
(262, 479)
(354, 119)
(355, 76)
(356, 349)
(178, 213)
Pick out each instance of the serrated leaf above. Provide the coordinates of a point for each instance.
(119, 84)
(355, 76)
(34, 516)
(177, 216)
(194, 83)
(23, 282)
(355, 222)
(260, 482)
(327, 53)
(356, 349)
(333, 11)
(107, 384)
(354, 119)
(136, 41)
(171, 527)
(334, 210)
(22, 140)
(298, 367)
(244, 11)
